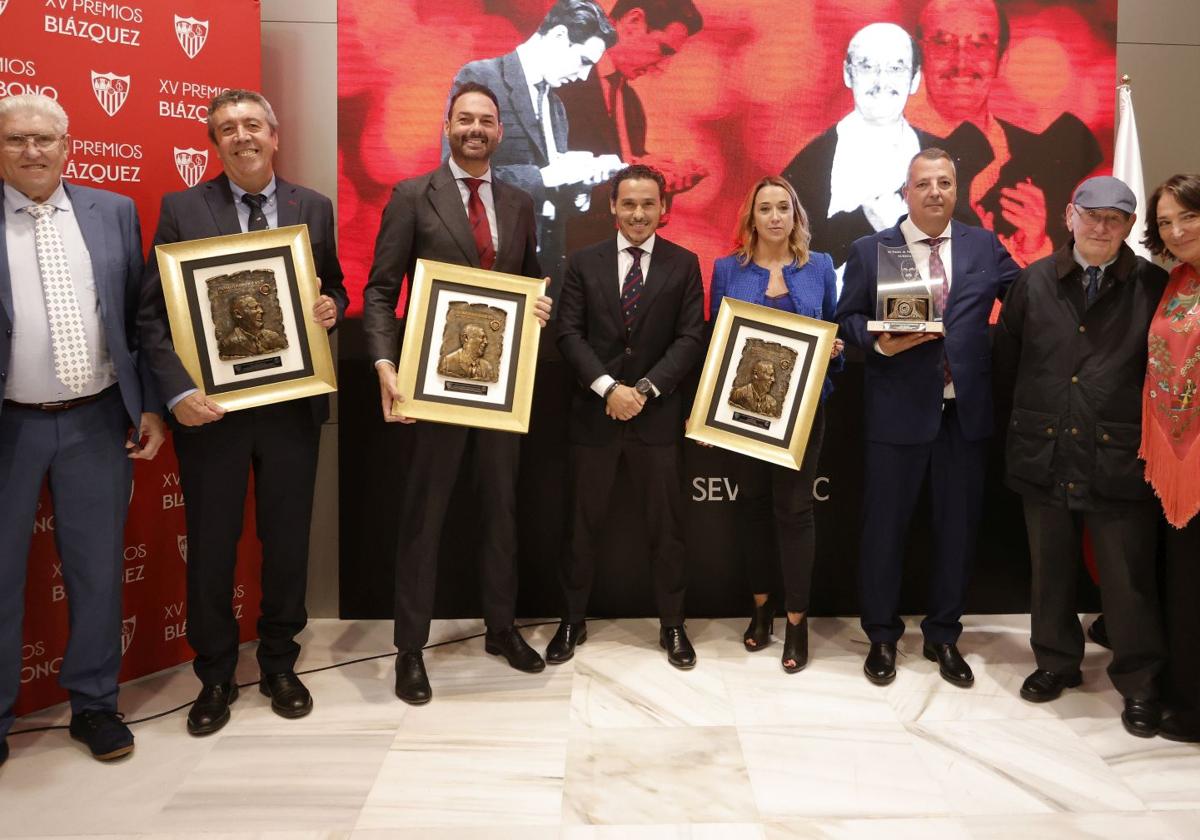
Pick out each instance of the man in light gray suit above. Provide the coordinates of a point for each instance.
(70, 271)
(458, 213)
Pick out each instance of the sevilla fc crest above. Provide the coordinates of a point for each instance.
(192, 34)
(128, 626)
(191, 164)
(111, 91)
(181, 540)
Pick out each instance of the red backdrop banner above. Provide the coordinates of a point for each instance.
(135, 79)
(757, 84)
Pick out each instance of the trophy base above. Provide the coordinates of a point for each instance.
(905, 327)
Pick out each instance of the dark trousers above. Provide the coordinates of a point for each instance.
(1123, 543)
(655, 474)
(279, 442)
(956, 468)
(1183, 617)
(439, 451)
(776, 527)
(83, 451)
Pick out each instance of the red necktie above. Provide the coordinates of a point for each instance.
(480, 229)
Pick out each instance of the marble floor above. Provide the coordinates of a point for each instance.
(617, 744)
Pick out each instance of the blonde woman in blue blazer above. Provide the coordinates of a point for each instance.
(772, 266)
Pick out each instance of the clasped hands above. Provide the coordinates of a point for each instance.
(624, 403)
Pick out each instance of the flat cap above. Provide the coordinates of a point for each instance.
(1105, 191)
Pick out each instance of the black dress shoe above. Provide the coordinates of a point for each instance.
(512, 646)
(762, 625)
(562, 646)
(1043, 686)
(880, 666)
(795, 646)
(210, 709)
(680, 652)
(1183, 726)
(1098, 632)
(104, 732)
(953, 668)
(289, 697)
(1142, 717)
(412, 683)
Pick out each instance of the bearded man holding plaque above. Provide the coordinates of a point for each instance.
(928, 404)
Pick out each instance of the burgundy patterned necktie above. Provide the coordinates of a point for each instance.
(937, 274)
(481, 231)
(631, 289)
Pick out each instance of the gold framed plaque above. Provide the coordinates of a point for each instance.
(470, 347)
(240, 309)
(761, 382)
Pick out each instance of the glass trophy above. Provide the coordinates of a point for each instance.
(905, 303)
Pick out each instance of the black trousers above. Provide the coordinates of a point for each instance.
(894, 473)
(776, 526)
(1123, 542)
(439, 452)
(655, 473)
(1182, 685)
(279, 442)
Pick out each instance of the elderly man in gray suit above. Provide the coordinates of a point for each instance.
(458, 213)
(70, 271)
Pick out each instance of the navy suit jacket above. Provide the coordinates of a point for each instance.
(208, 210)
(110, 228)
(903, 393)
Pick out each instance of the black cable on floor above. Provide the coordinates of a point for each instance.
(187, 705)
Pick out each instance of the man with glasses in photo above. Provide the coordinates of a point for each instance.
(1073, 333)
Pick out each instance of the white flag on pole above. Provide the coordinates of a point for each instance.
(1127, 164)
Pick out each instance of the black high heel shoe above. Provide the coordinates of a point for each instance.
(795, 646)
(762, 625)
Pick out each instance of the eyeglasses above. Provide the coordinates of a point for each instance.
(1094, 218)
(16, 143)
(976, 46)
(863, 67)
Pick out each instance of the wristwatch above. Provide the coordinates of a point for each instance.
(644, 388)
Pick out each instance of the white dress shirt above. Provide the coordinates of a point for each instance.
(624, 263)
(528, 60)
(31, 378)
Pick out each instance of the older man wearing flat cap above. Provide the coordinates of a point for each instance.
(1074, 331)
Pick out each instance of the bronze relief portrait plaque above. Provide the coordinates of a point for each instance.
(469, 352)
(761, 382)
(239, 308)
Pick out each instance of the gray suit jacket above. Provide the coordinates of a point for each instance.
(206, 210)
(110, 228)
(425, 219)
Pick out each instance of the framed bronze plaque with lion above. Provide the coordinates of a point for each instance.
(761, 382)
(239, 311)
(470, 347)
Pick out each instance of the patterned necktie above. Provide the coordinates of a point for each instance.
(631, 289)
(258, 219)
(937, 274)
(481, 231)
(1093, 283)
(72, 363)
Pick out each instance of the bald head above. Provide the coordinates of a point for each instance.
(882, 70)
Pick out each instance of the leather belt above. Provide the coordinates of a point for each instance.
(61, 405)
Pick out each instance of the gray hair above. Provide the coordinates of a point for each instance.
(39, 104)
(234, 96)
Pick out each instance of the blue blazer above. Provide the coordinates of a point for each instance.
(812, 288)
(903, 393)
(110, 228)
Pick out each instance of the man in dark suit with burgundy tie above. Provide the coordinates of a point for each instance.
(458, 213)
(928, 407)
(217, 450)
(631, 326)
